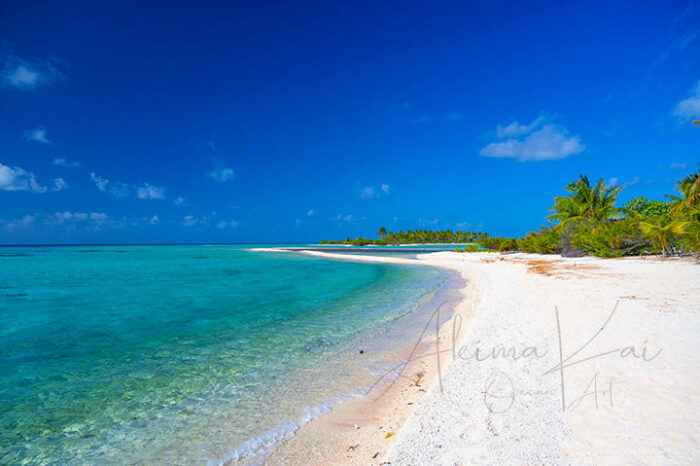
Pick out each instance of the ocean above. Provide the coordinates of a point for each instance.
(190, 354)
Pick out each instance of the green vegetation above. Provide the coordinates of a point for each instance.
(587, 221)
(417, 237)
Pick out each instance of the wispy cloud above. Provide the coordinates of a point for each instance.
(59, 184)
(221, 173)
(454, 116)
(203, 221)
(180, 201)
(37, 134)
(119, 189)
(676, 165)
(18, 179)
(94, 221)
(632, 182)
(70, 220)
(371, 192)
(310, 212)
(101, 183)
(27, 74)
(424, 222)
(690, 107)
(533, 142)
(516, 129)
(25, 222)
(367, 192)
(228, 224)
(148, 191)
(115, 189)
(345, 218)
(682, 32)
(61, 162)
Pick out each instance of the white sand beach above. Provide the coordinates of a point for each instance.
(628, 391)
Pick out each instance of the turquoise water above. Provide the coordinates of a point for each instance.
(185, 354)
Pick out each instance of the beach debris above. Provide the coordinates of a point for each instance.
(419, 378)
(356, 426)
(388, 434)
(352, 447)
(375, 455)
(362, 351)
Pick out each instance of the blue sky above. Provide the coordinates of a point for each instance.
(280, 122)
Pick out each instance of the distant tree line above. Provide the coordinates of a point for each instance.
(586, 221)
(415, 237)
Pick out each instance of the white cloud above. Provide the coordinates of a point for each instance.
(228, 224)
(17, 179)
(367, 192)
(93, 221)
(516, 129)
(26, 74)
(101, 183)
(148, 191)
(190, 220)
(371, 192)
(219, 171)
(634, 181)
(153, 220)
(37, 134)
(221, 174)
(463, 225)
(70, 216)
(59, 184)
(675, 165)
(180, 201)
(310, 212)
(527, 143)
(345, 218)
(612, 182)
(23, 222)
(61, 162)
(117, 189)
(690, 107)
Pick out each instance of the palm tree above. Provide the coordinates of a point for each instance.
(585, 202)
(660, 234)
(690, 187)
(381, 232)
(692, 238)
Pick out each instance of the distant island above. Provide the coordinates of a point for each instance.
(585, 221)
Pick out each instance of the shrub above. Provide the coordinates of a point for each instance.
(508, 244)
(543, 241)
(608, 239)
(489, 242)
